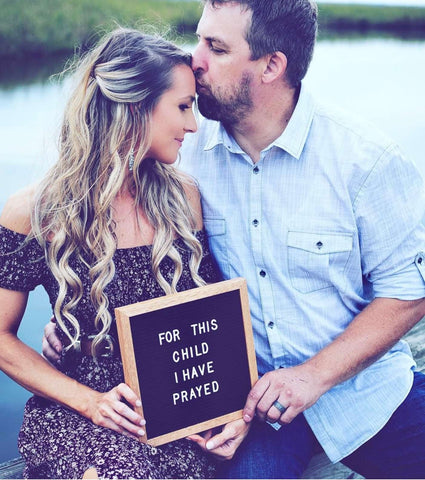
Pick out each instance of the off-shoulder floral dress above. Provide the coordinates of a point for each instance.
(59, 443)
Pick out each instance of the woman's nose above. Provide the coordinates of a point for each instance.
(191, 125)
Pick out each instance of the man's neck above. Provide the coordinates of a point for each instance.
(265, 123)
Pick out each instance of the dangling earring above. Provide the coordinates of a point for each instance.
(131, 160)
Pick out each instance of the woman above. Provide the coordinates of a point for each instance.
(112, 223)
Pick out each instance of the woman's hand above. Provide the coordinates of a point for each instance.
(110, 411)
(223, 445)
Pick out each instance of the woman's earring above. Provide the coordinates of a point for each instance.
(131, 160)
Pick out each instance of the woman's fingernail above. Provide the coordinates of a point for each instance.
(141, 432)
(138, 403)
(142, 422)
(247, 418)
(210, 445)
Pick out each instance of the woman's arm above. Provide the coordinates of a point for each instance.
(33, 372)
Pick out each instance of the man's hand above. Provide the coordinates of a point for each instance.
(51, 345)
(296, 389)
(223, 445)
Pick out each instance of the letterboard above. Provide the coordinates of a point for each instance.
(190, 357)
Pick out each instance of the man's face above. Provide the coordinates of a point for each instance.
(222, 65)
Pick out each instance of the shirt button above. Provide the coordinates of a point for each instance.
(262, 273)
(255, 223)
(256, 170)
(319, 244)
(270, 325)
(420, 259)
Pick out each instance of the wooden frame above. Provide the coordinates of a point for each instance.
(218, 351)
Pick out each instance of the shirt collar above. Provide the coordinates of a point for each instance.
(292, 140)
(218, 135)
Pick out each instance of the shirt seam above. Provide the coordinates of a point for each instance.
(372, 171)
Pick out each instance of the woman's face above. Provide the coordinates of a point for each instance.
(173, 116)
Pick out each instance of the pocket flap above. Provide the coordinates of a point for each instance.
(215, 226)
(321, 243)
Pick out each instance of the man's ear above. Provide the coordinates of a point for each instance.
(275, 67)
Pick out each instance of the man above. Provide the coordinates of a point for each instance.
(322, 215)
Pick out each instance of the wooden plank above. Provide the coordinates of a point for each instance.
(12, 468)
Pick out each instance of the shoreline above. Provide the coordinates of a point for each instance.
(72, 26)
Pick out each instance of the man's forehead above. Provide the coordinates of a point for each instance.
(224, 21)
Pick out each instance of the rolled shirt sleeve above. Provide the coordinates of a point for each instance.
(390, 209)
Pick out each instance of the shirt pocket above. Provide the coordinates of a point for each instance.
(216, 232)
(315, 260)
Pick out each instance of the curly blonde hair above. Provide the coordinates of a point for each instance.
(109, 113)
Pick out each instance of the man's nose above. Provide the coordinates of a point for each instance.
(198, 59)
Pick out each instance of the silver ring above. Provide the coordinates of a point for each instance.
(279, 407)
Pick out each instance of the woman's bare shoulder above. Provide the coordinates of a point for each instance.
(16, 214)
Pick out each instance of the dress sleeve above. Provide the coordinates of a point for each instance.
(22, 264)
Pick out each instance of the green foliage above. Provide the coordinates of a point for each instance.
(46, 26)
(374, 17)
(43, 27)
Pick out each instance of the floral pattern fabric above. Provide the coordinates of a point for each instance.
(59, 443)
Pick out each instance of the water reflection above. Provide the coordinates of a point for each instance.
(18, 71)
(27, 70)
(370, 34)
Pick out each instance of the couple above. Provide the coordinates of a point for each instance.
(321, 215)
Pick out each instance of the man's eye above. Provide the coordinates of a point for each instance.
(217, 50)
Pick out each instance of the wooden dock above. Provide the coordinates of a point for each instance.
(12, 468)
(320, 466)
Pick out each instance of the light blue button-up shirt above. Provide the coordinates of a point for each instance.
(328, 219)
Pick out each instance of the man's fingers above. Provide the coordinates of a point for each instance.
(255, 396)
(197, 439)
(52, 338)
(229, 432)
(265, 408)
(277, 411)
(49, 352)
(201, 439)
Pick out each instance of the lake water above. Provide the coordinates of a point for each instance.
(381, 79)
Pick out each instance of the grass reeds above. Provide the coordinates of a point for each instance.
(44, 27)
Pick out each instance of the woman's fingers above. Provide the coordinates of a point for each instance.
(113, 413)
(126, 392)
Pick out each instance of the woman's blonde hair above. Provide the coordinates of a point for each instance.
(107, 118)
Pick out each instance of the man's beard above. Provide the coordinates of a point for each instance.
(230, 110)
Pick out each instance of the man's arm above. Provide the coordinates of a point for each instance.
(369, 336)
